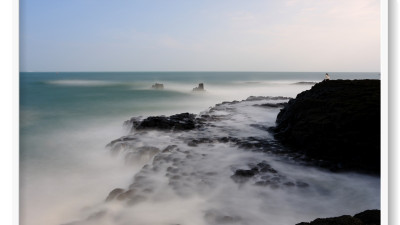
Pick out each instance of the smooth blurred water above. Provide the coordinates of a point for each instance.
(49, 98)
(66, 119)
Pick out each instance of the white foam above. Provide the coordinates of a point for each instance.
(203, 192)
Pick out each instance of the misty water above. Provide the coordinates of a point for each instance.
(68, 166)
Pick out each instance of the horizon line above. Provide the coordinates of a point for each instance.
(194, 71)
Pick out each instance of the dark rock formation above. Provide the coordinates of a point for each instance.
(246, 173)
(178, 122)
(337, 121)
(368, 217)
(157, 86)
(341, 220)
(263, 175)
(114, 193)
(199, 88)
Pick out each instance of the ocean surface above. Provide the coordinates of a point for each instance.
(67, 172)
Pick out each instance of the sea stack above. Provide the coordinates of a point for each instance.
(199, 88)
(157, 86)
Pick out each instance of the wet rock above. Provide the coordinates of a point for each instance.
(136, 199)
(246, 173)
(302, 184)
(192, 143)
(141, 154)
(114, 193)
(133, 122)
(169, 148)
(121, 140)
(119, 194)
(195, 142)
(178, 122)
(127, 194)
(241, 176)
(171, 169)
(289, 184)
(336, 121)
(368, 217)
(341, 220)
(266, 168)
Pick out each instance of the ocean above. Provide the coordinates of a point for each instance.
(67, 172)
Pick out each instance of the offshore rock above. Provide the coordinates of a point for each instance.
(199, 88)
(157, 86)
(337, 121)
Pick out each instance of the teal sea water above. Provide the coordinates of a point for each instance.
(66, 119)
(49, 98)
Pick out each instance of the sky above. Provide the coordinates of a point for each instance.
(206, 35)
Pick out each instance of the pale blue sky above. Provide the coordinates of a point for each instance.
(179, 35)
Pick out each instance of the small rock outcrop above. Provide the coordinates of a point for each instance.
(177, 122)
(157, 86)
(368, 217)
(199, 88)
(337, 121)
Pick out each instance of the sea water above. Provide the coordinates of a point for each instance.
(66, 172)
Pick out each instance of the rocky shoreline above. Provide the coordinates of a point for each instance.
(184, 154)
(336, 121)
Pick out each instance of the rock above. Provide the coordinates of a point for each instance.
(178, 122)
(337, 121)
(127, 194)
(246, 173)
(157, 86)
(301, 184)
(141, 154)
(134, 121)
(114, 193)
(341, 220)
(368, 217)
(169, 148)
(199, 88)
